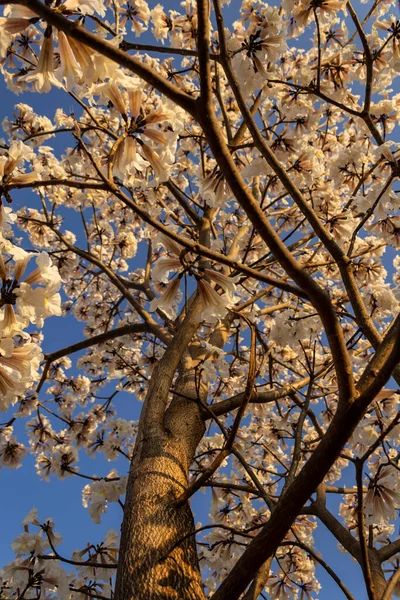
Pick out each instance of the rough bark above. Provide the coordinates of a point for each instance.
(378, 577)
(154, 564)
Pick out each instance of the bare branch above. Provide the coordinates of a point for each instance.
(101, 339)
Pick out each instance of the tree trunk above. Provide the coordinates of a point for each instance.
(154, 563)
(377, 574)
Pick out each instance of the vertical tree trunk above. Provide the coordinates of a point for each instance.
(154, 563)
(378, 576)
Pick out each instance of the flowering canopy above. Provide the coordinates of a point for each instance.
(233, 266)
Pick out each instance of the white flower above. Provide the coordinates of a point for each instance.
(214, 190)
(45, 273)
(43, 75)
(25, 359)
(26, 542)
(127, 161)
(40, 303)
(280, 588)
(12, 453)
(10, 387)
(7, 218)
(215, 306)
(64, 459)
(164, 266)
(70, 68)
(19, 366)
(158, 167)
(167, 300)
(383, 497)
(17, 153)
(6, 347)
(31, 517)
(111, 538)
(114, 94)
(228, 284)
(18, 369)
(170, 244)
(134, 153)
(15, 20)
(96, 495)
(86, 7)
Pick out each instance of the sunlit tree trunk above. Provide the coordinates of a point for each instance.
(379, 582)
(158, 558)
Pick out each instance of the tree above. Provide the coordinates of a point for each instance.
(231, 264)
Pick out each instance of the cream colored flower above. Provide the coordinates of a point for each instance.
(158, 167)
(39, 303)
(164, 266)
(12, 453)
(14, 25)
(215, 306)
(16, 19)
(9, 388)
(17, 153)
(11, 323)
(383, 497)
(43, 75)
(133, 153)
(24, 359)
(228, 284)
(167, 300)
(46, 272)
(70, 68)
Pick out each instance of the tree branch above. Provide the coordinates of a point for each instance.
(391, 585)
(108, 50)
(341, 533)
(101, 338)
(226, 406)
(313, 472)
(389, 550)
(318, 296)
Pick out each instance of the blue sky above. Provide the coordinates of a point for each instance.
(61, 500)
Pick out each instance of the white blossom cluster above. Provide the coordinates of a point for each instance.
(26, 298)
(37, 567)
